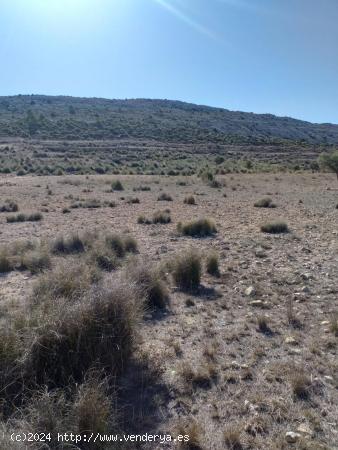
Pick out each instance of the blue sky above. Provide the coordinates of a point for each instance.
(277, 56)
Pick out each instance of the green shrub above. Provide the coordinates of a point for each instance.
(117, 185)
(275, 228)
(186, 270)
(197, 228)
(265, 203)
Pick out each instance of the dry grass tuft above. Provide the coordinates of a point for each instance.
(149, 280)
(186, 270)
(96, 333)
(275, 227)
(197, 228)
(212, 264)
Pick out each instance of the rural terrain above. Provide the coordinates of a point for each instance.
(166, 269)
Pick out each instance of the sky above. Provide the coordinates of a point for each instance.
(264, 56)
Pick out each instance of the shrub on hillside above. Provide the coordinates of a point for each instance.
(117, 185)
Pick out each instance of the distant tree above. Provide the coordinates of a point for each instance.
(71, 109)
(329, 161)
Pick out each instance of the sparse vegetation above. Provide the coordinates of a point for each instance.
(275, 227)
(212, 264)
(67, 245)
(329, 161)
(190, 200)
(265, 202)
(150, 282)
(34, 217)
(9, 206)
(197, 228)
(186, 270)
(117, 185)
(164, 197)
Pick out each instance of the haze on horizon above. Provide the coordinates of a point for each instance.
(262, 56)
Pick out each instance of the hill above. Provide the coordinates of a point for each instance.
(47, 117)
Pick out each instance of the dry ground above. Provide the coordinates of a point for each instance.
(218, 370)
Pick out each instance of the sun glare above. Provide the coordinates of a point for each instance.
(60, 7)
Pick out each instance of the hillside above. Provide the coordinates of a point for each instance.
(47, 117)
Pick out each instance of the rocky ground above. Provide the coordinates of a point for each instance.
(248, 361)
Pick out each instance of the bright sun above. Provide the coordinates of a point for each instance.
(61, 6)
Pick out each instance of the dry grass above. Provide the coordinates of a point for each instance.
(96, 333)
(275, 227)
(186, 270)
(197, 228)
(212, 264)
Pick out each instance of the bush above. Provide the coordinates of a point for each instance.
(265, 203)
(143, 220)
(197, 228)
(130, 244)
(117, 185)
(190, 200)
(134, 200)
(121, 244)
(186, 270)
(36, 261)
(103, 257)
(142, 188)
(9, 206)
(5, 262)
(164, 197)
(275, 228)
(162, 217)
(35, 217)
(212, 264)
(97, 332)
(69, 245)
(149, 281)
(66, 280)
